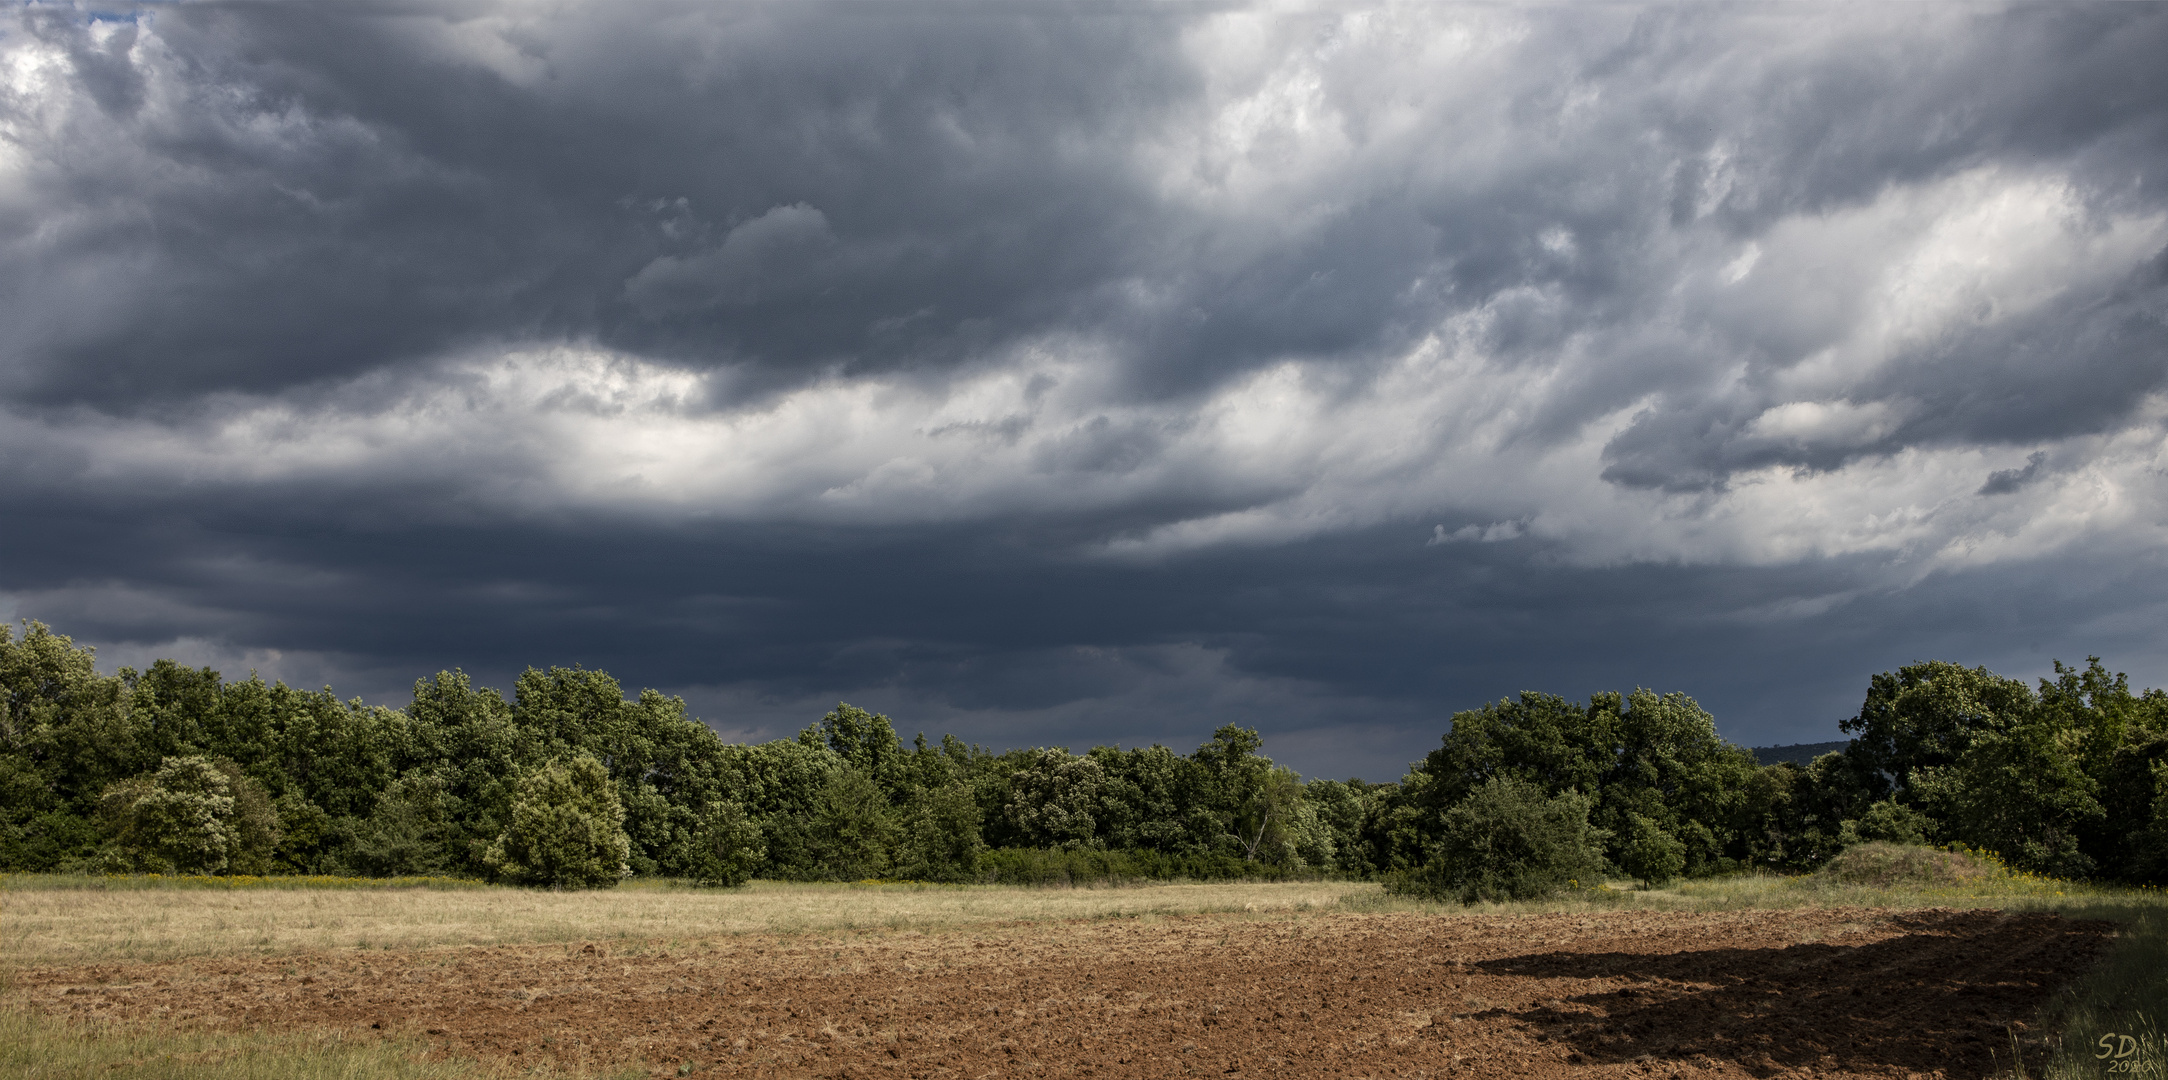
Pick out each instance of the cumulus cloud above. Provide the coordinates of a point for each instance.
(1104, 299)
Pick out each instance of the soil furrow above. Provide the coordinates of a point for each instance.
(1623, 994)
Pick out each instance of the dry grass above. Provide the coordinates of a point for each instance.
(69, 925)
(34, 1048)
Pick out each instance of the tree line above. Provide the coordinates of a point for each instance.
(570, 782)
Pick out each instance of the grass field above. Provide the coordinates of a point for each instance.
(51, 921)
(59, 920)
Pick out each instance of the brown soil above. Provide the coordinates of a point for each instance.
(1627, 995)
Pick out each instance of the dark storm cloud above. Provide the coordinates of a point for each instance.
(1067, 374)
(329, 189)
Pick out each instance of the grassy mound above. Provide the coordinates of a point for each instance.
(1884, 865)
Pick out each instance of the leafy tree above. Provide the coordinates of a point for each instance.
(1670, 766)
(1224, 780)
(1648, 851)
(2147, 857)
(2121, 741)
(193, 815)
(1925, 716)
(1803, 810)
(466, 737)
(1051, 800)
(865, 741)
(2017, 790)
(1282, 828)
(939, 839)
(1340, 809)
(1508, 841)
(1889, 822)
(727, 847)
(411, 830)
(64, 736)
(566, 829)
(1541, 739)
(1655, 756)
(1141, 797)
(851, 831)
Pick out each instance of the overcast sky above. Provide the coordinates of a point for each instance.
(1093, 374)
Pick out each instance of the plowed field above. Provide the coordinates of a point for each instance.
(1622, 994)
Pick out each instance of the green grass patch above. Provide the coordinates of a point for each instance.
(2109, 1024)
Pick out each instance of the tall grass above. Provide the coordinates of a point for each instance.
(2114, 1016)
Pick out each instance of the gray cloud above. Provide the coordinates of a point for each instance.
(2005, 481)
(1113, 372)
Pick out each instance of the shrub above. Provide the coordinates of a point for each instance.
(195, 815)
(727, 848)
(567, 831)
(409, 833)
(1506, 841)
(1888, 822)
(1650, 852)
(940, 836)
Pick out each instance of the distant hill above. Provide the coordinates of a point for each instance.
(1799, 753)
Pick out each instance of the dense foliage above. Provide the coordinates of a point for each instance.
(571, 783)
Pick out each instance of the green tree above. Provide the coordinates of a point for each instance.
(1141, 795)
(2018, 790)
(1657, 756)
(566, 829)
(2121, 741)
(1341, 807)
(410, 831)
(1888, 822)
(866, 741)
(939, 837)
(64, 736)
(1508, 841)
(1925, 716)
(1648, 851)
(1051, 799)
(194, 815)
(727, 845)
(851, 832)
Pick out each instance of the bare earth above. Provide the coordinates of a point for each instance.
(1583, 995)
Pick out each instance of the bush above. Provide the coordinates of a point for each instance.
(846, 832)
(1888, 822)
(1056, 866)
(1650, 852)
(1506, 841)
(940, 836)
(409, 834)
(195, 815)
(568, 829)
(728, 848)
